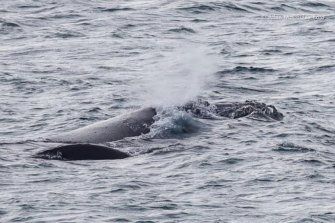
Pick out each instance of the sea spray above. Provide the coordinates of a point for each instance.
(177, 76)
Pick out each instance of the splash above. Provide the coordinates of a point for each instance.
(178, 76)
(171, 123)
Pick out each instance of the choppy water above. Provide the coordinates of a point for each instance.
(65, 64)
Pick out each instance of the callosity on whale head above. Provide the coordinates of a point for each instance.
(204, 109)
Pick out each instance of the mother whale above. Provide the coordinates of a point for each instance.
(79, 141)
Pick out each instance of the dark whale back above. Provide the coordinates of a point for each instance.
(82, 152)
(132, 124)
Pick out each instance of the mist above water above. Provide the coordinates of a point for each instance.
(178, 76)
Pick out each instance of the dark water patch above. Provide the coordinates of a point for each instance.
(244, 89)
(174, 148)
(287, 76)
(226, 52)
(205, 164)
(314, 4)
(84, 23)
(287, 147)
(199, 9)
(28, 51)
(231, 7)
(22, 219)
(253, 8)
(241, 69)
(165, 206)
(182, 30)
(120, 220)
(264, 179)
(128, 26)
(220, 183)
(2, 212)
(28, 6)
(271, 51)
(103, 9)
(249, 78)
(199, 20)
(284, 8)
(315, 176)
(118, 190)
(322, 128)
(7, 27)
(313, 162)
(277, 9)
(323, 217)
(231, 161)
(59, 16)
(8, 24)
(327, 68)
(65, 34)
(118, 35)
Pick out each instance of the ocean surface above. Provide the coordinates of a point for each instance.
(66, 64)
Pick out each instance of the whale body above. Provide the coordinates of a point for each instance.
(132, 124)
(82, 152)
(81, 143)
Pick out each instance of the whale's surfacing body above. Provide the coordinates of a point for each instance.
(81, 142)
(132, 124)
(82, 152)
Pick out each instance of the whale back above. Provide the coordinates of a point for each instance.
(132, 124)
(82, 152)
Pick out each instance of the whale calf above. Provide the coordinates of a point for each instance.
(81, 142)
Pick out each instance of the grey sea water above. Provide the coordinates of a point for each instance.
(66, 64)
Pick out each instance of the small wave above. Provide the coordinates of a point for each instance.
(231, 161)
(28, 6)
(241, 69)
(245, 89)
(175, 148)
(8, 27)
(283, 8)
(182, 30)
(231, 7)
(326, 68)
(65, 34)
(252, 8)
(312, 162)
(314, 4)
(103, 9)
(9, 24)
(199, 20)
(292, 148)
(198, 9)
(228, 6)
(64, 15)
(271, 51)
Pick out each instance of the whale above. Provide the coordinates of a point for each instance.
(82, 152)
(81, 144)
(113, 129)
(86, 143)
